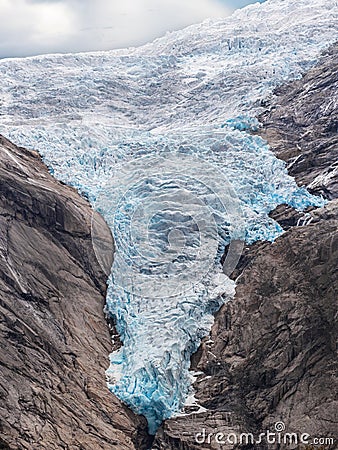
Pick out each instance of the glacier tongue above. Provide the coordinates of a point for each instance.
(158, 138)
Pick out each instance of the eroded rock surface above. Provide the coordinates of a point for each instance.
(53, 335)
(302, 126)
(271, 353)
(271, 356)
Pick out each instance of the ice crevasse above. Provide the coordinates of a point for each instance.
(160, 140)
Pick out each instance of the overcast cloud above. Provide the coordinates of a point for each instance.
(30, 27)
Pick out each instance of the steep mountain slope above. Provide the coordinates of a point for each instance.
(271, 355)
(53, 335)
(302, 126)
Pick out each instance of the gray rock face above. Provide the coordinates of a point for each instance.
(271, 354)
(302, 126)
(53, 335)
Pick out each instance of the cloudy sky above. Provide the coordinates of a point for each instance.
(30, 27)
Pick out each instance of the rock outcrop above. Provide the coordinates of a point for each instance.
(271, 353)
(53, 334)
(302, 126)
(270, 360)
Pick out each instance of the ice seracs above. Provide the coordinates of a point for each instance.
(159, 140)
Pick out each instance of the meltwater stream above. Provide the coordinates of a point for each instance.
(159, 139)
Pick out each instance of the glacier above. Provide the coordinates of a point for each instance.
(161, 139)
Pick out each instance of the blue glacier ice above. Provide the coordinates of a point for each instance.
(243, 123)
(158, 138)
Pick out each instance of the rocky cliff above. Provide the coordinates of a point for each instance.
(270, 361)
(301, 126)
(53, 335)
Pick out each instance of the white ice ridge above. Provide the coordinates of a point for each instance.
(158, 137)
